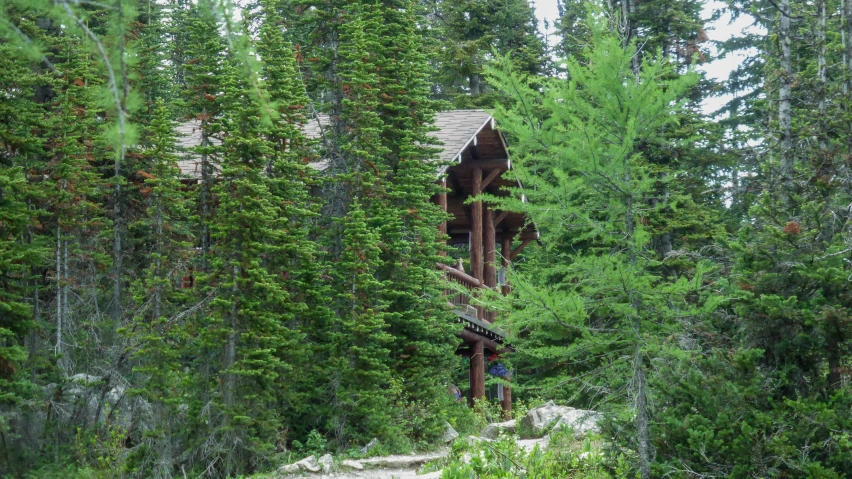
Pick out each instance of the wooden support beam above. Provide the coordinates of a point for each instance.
(490, 272)
(476, 227)
(502, 216)
(442, 202)
(490, 267)
(488, 179)
(505, 253)
(472, 338)
(506, 403)
(477, 372)
(520, 248)
(502, 164)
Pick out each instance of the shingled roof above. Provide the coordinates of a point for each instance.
(455, 131)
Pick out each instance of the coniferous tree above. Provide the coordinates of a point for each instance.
(470, 31)
(159, 330)
(576, 153)
(202, 70)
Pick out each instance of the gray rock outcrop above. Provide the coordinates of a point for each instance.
(540, 420)
(369, 447)
(350, 464)
(326, 462)
(450, 434)
(493, 430)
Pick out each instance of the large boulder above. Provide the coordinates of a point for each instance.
(98, 399)
(540, 420)
(308, 464)
(350, 464)
(450, 434)
(289, 469)
(493, 430)
(369, 447)
(326, 462)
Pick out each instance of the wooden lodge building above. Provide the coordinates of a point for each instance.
(477, 156)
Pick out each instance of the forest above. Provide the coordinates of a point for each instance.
(690, 282)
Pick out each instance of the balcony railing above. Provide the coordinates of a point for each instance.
(470, 287)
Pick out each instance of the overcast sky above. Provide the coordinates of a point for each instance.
(719, 30)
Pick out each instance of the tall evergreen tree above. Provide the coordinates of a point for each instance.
(159, 332)
(470, 31)
(576, 153)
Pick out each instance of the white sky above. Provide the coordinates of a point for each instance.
(719, 30)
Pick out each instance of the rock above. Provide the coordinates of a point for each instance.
(431, 475)
(350, 464)
(450, 434)
(581, 421)
(96, 399)
(537, 421)
(308, 464)
(289, 469)
(473, 440)
(369, 447)
(493, 430)
(326, 462)
(86, 380)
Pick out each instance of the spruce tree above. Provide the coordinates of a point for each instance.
(422, 327)
(17, 257)
(471, 30)
(159, 331)
(360, 378)
(246, 326)
(201, 72)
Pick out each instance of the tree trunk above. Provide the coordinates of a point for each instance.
(846, 33)
(116, 247)
(229, 388)
(643, 435)
(832, 350)
(784, 104)
(821, 73)
(57, 350)
(158, 288)
(475, 85)
(205, 197)
(845, 59)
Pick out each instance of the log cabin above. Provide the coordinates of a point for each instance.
(472, 160)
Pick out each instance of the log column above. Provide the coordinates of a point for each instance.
(477, 372)
(442, 202)
(506, 403)
(506, 252)
(490, 246)
(476, 227)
